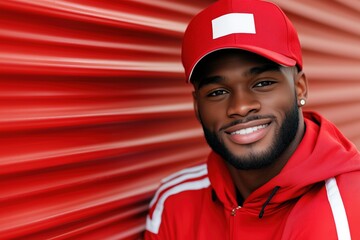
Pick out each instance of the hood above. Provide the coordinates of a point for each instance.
(323, 153)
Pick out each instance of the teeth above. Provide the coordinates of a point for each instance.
(249, 130)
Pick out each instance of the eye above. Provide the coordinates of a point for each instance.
(264, 83)
(218, 92)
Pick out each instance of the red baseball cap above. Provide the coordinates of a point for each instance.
(252, 25)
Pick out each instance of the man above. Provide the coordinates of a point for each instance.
(275, 172)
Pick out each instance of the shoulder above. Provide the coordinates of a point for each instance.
(349, 183)
(349, 189)
(343, 194)
(178, 191)
(337, 210)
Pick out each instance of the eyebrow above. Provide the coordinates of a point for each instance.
(264, 68)
(251, 72)
(209, 80)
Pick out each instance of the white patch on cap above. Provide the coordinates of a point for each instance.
(233, 23)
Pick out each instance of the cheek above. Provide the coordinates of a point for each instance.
(281, 101)
(211, 115)
(280, 104)
(282, 97)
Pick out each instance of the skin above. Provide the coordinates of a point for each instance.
(236, 90)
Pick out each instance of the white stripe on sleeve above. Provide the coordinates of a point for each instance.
(181, 178)
(338, 209)
(154, 223)
(184, 171)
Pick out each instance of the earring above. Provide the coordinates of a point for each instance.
(302, 102)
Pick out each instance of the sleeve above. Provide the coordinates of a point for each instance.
(349, 187)
(157, 225)
(150, 236)
(157, 220)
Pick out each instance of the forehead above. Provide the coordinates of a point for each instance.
(222, 59)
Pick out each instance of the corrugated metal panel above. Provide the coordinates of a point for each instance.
(94, 109)
(94, 112)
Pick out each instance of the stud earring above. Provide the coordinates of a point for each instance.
(302, 102)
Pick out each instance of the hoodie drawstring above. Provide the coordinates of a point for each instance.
(262, 211)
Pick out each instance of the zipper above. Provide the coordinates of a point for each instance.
(232, 221)
(234, 210)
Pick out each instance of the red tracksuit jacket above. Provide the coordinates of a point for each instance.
(315, 196)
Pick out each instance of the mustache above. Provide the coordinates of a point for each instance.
(245, 120)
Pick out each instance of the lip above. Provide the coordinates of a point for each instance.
(249, 132)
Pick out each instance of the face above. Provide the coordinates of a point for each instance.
(248, 107)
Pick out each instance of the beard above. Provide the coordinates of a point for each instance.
(257, 160)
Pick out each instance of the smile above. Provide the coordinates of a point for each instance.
(249, 130)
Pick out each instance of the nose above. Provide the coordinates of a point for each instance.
(242, 103)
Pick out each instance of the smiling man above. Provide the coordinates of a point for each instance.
(275, 172)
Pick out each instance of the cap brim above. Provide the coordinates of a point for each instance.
(272, 56)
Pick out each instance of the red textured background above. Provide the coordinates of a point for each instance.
(94, 109)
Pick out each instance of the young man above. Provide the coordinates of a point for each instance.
(275, 172)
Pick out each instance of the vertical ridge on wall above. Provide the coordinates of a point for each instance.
(95, 110)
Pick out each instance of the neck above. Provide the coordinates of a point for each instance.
(247, 181)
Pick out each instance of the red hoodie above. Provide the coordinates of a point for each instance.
(315, 196)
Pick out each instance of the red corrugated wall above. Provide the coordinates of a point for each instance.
(94, 110)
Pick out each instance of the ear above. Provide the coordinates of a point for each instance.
(196, 108)
(301, 87)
